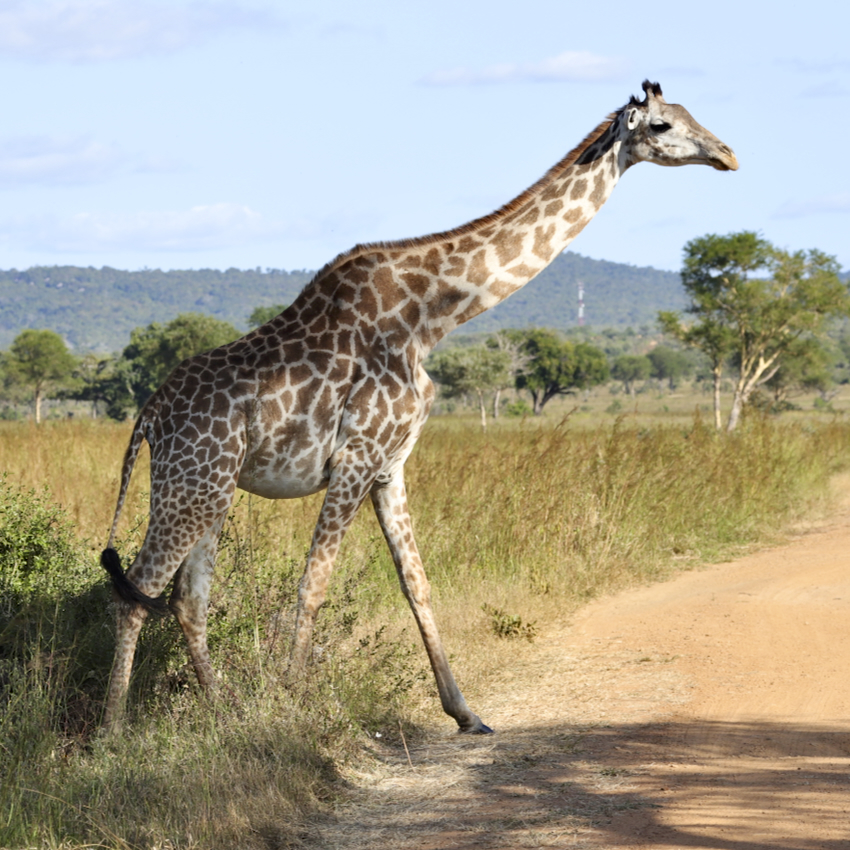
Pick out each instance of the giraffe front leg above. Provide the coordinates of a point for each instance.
(344, 496)
(390, 502)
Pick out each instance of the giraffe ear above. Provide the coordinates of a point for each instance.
(632, 119)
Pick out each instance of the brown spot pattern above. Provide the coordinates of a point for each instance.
(331, 394)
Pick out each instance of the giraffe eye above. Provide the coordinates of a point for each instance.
(661, 127)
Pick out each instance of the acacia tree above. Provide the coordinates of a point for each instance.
(806, 368)
(669, 364)
(473, 371)
(557, 367)
(631, 368)
(105, 380)
(709, 336)
(39, 359)
(755, 320)
(519, 360)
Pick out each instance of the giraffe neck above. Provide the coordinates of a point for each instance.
(488, 260)
(419, 290)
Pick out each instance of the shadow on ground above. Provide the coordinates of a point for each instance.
(699, 784)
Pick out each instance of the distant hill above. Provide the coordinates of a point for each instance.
(95, 309)
(615, 295)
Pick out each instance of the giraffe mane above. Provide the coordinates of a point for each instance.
(479, 223)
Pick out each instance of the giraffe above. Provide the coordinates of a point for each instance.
(332, 395)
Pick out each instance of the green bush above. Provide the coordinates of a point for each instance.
(518, 407)
(54, 635)
(39, 556)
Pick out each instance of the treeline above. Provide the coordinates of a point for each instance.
(38, 364)
(770, 322)
(510, 373)
(96, 309)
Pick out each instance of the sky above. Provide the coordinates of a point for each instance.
(221, 133)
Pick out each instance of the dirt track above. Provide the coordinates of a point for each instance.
(712, 711)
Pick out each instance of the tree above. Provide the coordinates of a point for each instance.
(38, 360)
(631, 368)
(756, 320)
(156, 350)
(84, 379)
(107, 381)
(519, 360)
(806, 367)
(710, 337)
(669, 364)
(261, 315)
(475, 371)
(558, 367)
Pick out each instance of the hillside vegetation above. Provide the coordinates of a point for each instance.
(95, 309)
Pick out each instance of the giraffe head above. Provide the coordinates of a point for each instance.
(666, 134)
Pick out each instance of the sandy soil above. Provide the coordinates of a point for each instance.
(711, 711)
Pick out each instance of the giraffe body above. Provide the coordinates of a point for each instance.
(332, 394)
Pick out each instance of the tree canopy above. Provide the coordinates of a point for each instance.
(669, 364)
(36, 359)
(558, 367)
(473, 371)
(261, 315)
(756, 321)
(631, 368)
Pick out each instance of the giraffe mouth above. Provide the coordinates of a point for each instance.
(724, 159)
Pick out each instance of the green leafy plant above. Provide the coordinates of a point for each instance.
(506, 625)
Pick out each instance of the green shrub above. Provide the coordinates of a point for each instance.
(518, 407)
(53, 603)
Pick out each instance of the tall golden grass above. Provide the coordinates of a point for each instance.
(529, 520)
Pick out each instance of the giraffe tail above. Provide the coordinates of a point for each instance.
(110, 560)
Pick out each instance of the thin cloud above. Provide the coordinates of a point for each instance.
(82, 31)
(207, 227)
(196, 229)
(830, 88)
(570, 66)
(839, 203)
(200, 228)
(804, 66)
(26, 160)
(65, 161)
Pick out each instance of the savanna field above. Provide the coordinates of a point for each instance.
(516, 526)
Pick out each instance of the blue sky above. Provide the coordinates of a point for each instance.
(216, 134)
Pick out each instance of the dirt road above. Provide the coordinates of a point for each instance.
(711, 712)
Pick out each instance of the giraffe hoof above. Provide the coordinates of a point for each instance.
(477, 728)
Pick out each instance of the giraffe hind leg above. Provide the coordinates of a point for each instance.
(190, 602)
(110, 560)
(162, 554)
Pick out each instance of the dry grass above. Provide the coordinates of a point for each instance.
(532, 519)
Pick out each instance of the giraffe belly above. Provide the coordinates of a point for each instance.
(281, 485)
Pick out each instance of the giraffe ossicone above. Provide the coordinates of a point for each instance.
(331, 394)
